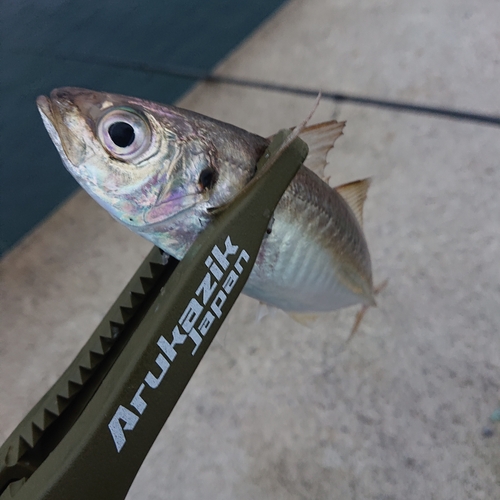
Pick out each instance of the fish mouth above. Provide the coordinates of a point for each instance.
(58, 112)
(53, 108)
(43, 103)
(46, 111)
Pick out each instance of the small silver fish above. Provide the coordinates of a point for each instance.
(159, 170)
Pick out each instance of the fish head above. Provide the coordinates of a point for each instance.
(148, 164)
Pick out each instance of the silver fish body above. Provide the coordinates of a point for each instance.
(315, 258)
(160, 169)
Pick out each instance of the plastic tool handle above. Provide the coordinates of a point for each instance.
(101, 453)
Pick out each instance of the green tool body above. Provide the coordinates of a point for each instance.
(88, 436)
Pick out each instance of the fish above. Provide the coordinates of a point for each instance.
(162, 171)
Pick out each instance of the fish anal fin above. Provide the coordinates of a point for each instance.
(304, 318)
(354, 193)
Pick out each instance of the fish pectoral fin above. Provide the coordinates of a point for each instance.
(320, 138)
(354, 194)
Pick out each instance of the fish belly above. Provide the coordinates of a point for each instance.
(315, 259)
(299, 277)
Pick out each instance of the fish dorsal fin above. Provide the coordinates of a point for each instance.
(320, 138)
(354, 193)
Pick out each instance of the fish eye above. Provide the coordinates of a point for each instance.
(124, 133)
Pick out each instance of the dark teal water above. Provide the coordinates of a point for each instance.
(194, 33)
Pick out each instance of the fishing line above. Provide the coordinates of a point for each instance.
(338, 97)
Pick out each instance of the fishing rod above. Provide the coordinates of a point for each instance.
(338, 97)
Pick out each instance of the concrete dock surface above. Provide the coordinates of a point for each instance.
(277, 410)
